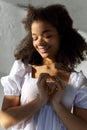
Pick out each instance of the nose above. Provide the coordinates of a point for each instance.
(40, 41)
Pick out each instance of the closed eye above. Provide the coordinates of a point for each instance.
(49, 36)
(34, 38)
(46, 35)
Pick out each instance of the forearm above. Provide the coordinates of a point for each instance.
(70, 121)
(14, 115)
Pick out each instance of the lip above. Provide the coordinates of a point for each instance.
(44, 49)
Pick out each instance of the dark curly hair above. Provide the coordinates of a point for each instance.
(73, 48)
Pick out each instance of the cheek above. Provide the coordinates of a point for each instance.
(56, 44)
(35, 46)
(55, 47)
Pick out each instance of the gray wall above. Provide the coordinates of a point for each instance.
(77, 9)
(12, 31)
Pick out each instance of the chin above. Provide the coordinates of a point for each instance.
(45, 56)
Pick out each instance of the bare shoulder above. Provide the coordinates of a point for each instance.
(10, 101)
(80, 112)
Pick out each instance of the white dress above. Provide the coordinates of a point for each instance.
(20, 82)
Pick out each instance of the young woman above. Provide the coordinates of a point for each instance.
(42, 91)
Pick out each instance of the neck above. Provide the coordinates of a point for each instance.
(49, 62)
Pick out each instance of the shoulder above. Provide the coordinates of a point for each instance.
(18, 68)
(12, 83)
(78, 79)
(17, 72)
(79, 84)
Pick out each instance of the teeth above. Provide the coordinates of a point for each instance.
(44, 49)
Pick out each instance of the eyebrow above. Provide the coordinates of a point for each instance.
(45, 31)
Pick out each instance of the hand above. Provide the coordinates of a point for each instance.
(42, 87)
(57, 95)
(51, 85)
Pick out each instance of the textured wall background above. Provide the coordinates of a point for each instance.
(77, 9)
(11, 31)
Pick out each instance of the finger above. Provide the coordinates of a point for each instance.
(61, 82)
(59, 86)
(42, 77)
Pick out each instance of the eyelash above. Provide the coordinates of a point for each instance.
(49, 36)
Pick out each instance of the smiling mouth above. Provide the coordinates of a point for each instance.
(44, 49)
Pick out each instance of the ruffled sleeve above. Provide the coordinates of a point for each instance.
(81, 92)
(12, 83)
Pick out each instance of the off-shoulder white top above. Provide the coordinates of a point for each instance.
(20, 82)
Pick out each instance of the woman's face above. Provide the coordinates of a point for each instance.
(45, 39)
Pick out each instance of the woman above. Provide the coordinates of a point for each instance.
(42, 88)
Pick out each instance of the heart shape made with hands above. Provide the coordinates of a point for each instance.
(52, 81)
(51, 85)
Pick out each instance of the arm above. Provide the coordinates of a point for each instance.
(73, 121)
(12, 113)
(76, 121)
